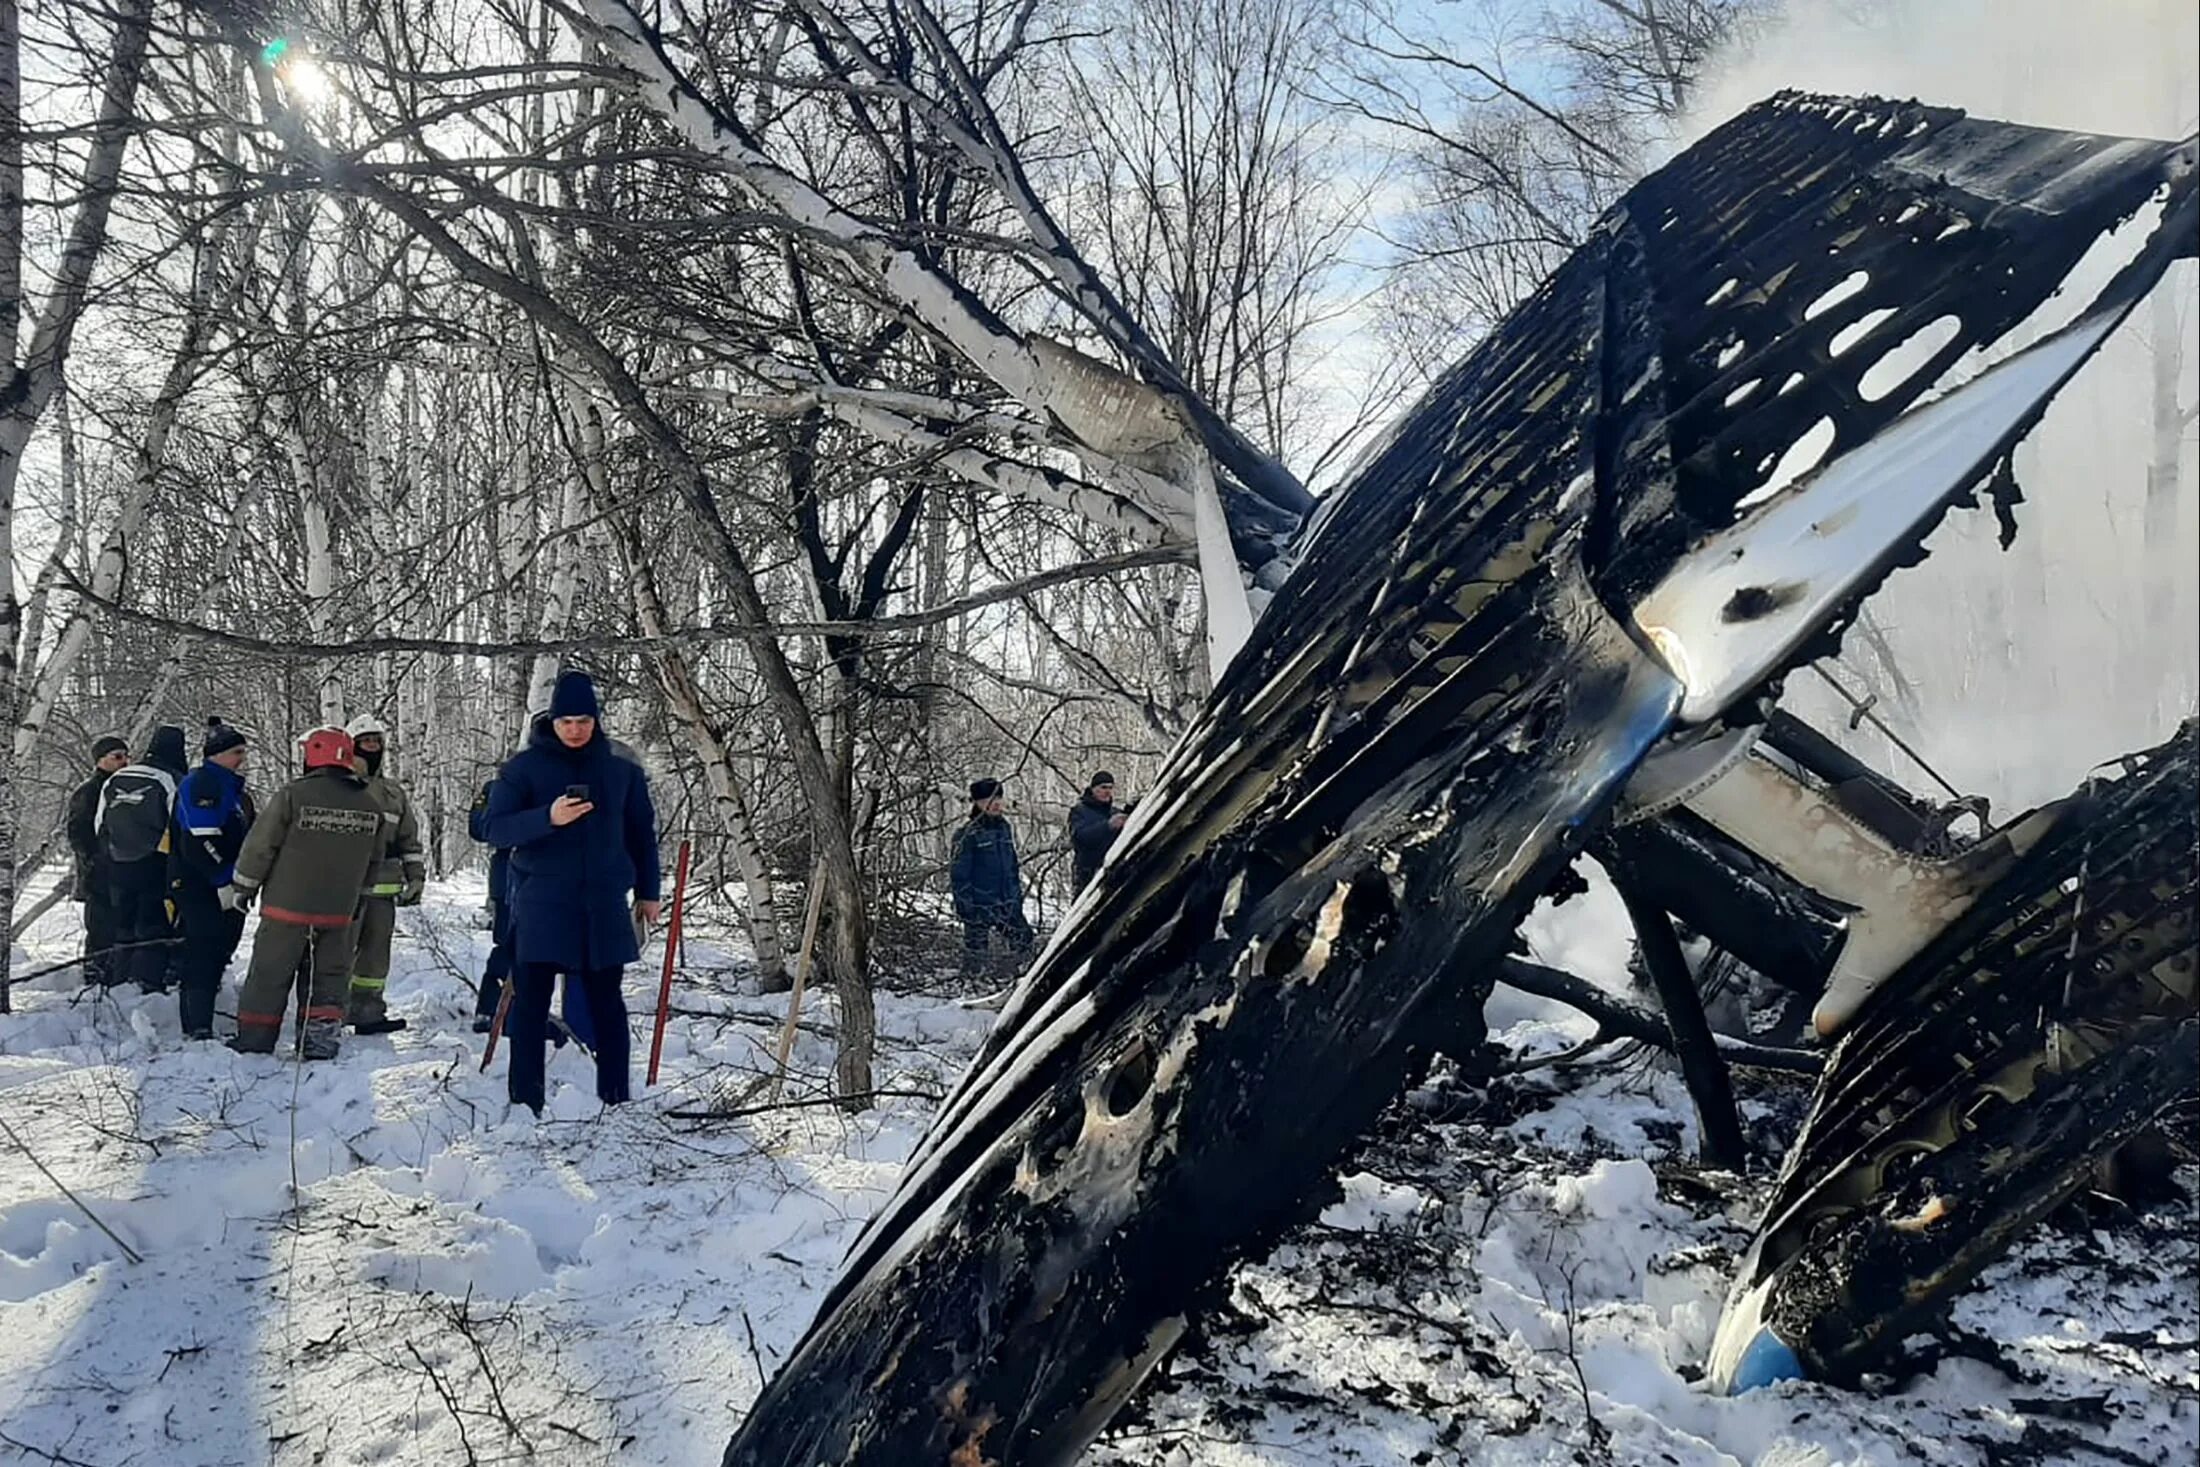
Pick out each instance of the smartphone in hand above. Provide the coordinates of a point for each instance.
(577, 792)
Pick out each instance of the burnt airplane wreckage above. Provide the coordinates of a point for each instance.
(1549, 617)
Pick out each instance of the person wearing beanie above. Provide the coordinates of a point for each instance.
(132, 825)
(987, 884)
(577, 819)
(214, 813)
(399, 877)
(307, 859)
(1094, 823)
(92, 876)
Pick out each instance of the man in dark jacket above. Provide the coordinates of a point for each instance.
(987, 883)
(582, 834)
(499, 967)
(92, 877)
(132, 824)
(1093, 824)
(213, 815)
(309, 852)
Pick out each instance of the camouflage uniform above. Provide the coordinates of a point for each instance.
(398, 874)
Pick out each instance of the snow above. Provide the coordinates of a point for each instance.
(340, 1259)
(609, 1265)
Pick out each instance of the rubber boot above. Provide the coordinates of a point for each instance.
(377, 1026)
(319, 1040)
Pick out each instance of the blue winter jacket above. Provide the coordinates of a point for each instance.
(569, 884)
(213, 815)
(985, 878)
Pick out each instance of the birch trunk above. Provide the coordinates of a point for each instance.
(149, 459)
(728, 796)
(30, 382)
(565, 552)
(67, 530)
(313, 515)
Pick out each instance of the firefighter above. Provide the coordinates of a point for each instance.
(399, 877)
(213, 816)
(308, 857)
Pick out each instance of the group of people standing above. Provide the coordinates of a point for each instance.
(169, 860)
(986, 878)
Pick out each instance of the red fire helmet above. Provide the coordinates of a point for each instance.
(327, 747)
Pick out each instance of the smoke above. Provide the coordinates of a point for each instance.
(2027, 668)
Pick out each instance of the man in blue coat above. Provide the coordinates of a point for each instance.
(986, 880)
(214, 814)
(577, 820)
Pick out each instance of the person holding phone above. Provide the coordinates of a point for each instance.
(582, 834)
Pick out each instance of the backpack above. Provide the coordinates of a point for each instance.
(132, 823)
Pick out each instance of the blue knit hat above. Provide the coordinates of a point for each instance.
(575, 697)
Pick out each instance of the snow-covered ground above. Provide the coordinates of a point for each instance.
(366, 1261)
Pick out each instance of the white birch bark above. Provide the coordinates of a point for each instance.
(28, 384)
(1034, 379)
(320, 547)
(565, 553)
(148, 460)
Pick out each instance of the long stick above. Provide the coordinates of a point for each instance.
(801, 977)
(131, 1253)
(672, 950)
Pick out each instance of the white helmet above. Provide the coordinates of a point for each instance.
(366, 723)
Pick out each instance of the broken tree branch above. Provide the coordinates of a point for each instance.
(1620, 1019)
(1693, 1042)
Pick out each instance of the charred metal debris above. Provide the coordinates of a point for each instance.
(1552, 610)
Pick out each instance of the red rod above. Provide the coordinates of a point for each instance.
(672, 952)
(496, 1025)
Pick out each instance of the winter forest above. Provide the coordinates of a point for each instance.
(892, 406)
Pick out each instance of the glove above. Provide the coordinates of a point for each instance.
(416, 885)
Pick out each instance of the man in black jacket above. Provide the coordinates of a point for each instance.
(1094, 823)
(108, 755)
(132, 825)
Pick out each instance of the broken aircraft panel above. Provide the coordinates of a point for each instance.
(1979, 1086)
(1517, 597)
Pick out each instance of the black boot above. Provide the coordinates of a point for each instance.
(319, 1041)
(377, 1026)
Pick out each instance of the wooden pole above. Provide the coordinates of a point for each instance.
(496, 1025)
(672, 950)
(801, 977)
